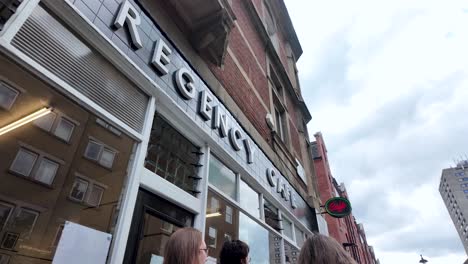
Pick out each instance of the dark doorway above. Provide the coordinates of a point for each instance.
(154, 220)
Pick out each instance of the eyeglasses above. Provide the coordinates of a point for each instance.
(205, 249)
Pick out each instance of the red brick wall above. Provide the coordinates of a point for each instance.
(247, 61)
(238, 88)
(295, 137)
(253, 37)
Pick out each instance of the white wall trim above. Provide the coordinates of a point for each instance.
(124, 222)
(200, 220)
(167, 190)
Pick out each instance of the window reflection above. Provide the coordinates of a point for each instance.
(54, 170)
(223, 178)
(271, 215)
(287, 228)
(262, 243)
(299, 236)
(249, 199)
(222, 223)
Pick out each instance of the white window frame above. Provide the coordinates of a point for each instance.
(103, 147)
(228, 217)
(215, 236)
(40, 157)
(58, 118)
(9, 87)
(90, 187)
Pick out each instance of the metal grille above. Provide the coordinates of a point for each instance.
(53, 46)
(7, 9)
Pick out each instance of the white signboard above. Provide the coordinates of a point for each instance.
(80, 244)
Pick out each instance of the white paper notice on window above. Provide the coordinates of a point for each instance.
(80, 244)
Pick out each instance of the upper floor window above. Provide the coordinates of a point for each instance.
(278, 109)
(100, 153)
(56, 124)
(223, 178)
(270, 25)
(87, 191)
(35, 166)
(8, 96)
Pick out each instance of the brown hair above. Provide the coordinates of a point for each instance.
(183, 246)
(325, 250)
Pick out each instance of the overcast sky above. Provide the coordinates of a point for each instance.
(387, 85)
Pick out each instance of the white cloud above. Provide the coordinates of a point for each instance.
(386, 82)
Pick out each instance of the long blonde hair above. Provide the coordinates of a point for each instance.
(324, 250)
(183, 246)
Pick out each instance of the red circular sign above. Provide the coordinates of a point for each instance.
(338, 207)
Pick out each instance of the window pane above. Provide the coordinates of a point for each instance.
(46, 121)
(173, 157)
(211, 237)
(257, 238)
(64, 129)
(107, 158)
(220, 224)
(95, 195)
(7, 96)
(287, 228)
(249, 199)
(46, 171)
(79, 189)
(24, 162)
(5, 211)
(271, 215)
(24, 222)
(228, 214)
(222, 177)
(299, 236)
(92, 150)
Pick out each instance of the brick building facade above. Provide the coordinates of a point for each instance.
(160, 115)
(345, 230)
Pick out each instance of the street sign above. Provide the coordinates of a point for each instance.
(338, 207)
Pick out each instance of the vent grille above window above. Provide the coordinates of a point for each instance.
(53, 46)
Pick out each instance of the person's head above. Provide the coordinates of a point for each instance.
(325, 250)
(234, 252)
(186, 245)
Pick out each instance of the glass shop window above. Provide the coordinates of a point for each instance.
(173, 157)
(271, 215)
(249, 199)
(222, 223)
(39, 188)
(223, 178)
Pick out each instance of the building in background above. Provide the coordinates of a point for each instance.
(454, 191)
(122, 121)
(345, 230)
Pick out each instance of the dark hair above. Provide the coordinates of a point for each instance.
(233, 252)
(183, 246)
(325, 250)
